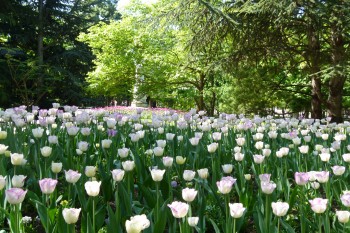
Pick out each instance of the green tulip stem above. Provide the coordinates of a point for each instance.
(278, 225)
(319, 224)
(299, 159)
(117, 204)
(267, 212)
(234, 225)
(213, 169)
(168, 175)
(93, 214)
(72, 228)
(128, 183)
(69, 191)
(228, 225)
(16, 219)
(302, 219)
(47, 213)
(45, 165)
(188, 227)
(18, 223)
(157, 203)
(181, 226)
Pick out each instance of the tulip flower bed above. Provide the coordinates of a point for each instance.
(77, 170)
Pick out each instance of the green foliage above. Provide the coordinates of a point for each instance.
(66, 61)
(304, 39)
(146, 50)
(246, 56)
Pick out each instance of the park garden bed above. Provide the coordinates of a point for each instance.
(104, 170)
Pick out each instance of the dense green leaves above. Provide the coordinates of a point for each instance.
(247, 56)
(32, 73)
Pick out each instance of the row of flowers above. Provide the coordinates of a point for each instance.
(173, 172)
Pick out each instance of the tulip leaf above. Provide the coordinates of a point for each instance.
(259, 218)
(137, 207)
(125, 199)
(212, 193)
(292, 197)
(89, 227)
(4, 211)
(100, 216)
(150, 198)
(105, 185)
(42, 213)
(59, 199)
(82, 198)
(12, 221)
(113, 222)
(53, 228)
(32, 196)
(41, 208)
(326, 223)
(286, 226)
(216, 228)
(84, 227)
(161, 223)
(61, 224)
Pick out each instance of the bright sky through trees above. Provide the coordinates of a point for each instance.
(123, 3)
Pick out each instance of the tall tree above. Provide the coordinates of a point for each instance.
(45, 31)
(294, 33)
(157, 58)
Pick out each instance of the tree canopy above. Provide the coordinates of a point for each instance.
(39, 50)
(237, 55)
(243, 56)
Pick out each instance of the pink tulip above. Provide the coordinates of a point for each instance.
(179, 209)
(15, 195)
(301, 178)
(322, 176)
(319, 205)
(345, 199)
(72, 176)
(71, 215)
(225, 184)
(189, 194)
(280, 208)
(47, 185)
(268, 187)
(118, 174)
(236, 210)
(265, 177)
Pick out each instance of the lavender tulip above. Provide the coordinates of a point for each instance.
(15, 195)
(72, 176)
(179, 209)
(225, 184)
(318, 205)
(47, 185)
(236, 210)
(301, 178)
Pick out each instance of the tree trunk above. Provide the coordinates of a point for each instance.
(212, 104)
(335, 99)
(211, 109)
(200, 101)
(313, 57)
(41, 33)
(336, 83)
(316, 101)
